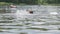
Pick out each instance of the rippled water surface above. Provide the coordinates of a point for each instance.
(44, 20)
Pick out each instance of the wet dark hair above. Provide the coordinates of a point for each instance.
(31, 12)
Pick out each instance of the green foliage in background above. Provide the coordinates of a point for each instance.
(30, 2)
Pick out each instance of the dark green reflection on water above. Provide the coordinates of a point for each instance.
(44, 29)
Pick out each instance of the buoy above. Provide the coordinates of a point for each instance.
(12, 6)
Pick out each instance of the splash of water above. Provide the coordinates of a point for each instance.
(21, 13)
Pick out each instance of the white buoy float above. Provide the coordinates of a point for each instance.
(12, 6)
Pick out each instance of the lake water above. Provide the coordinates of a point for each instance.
(44, 20)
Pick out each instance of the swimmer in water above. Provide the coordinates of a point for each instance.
(30, 11)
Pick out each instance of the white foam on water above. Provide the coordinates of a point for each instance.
(21, 13)
(53, 13)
